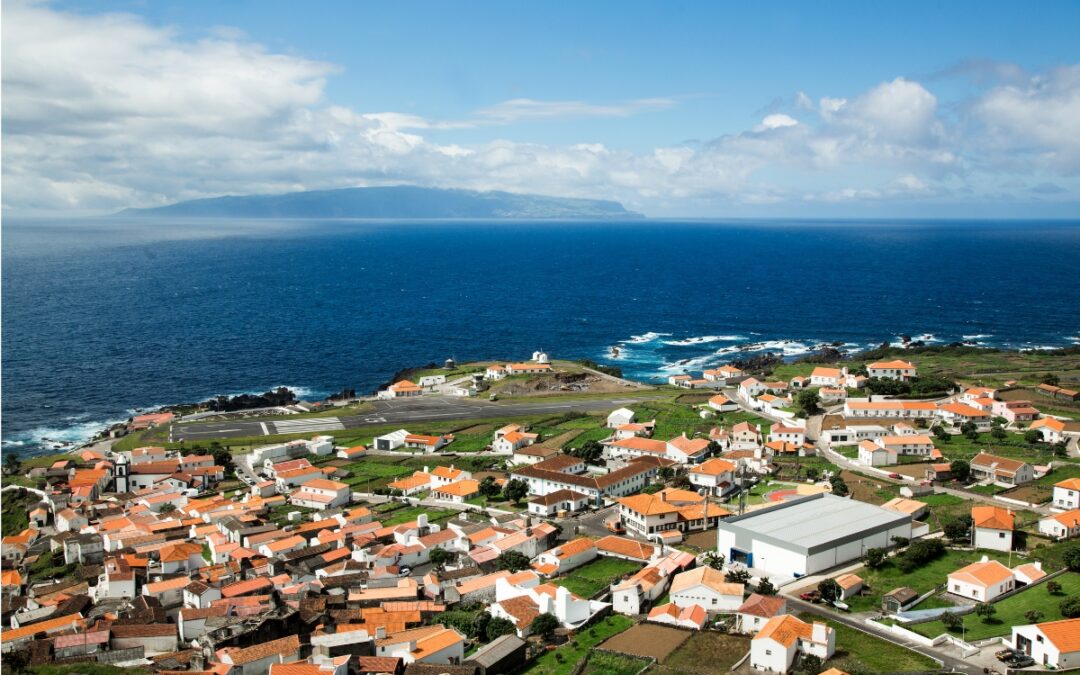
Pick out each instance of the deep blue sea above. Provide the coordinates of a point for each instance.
(105, 317)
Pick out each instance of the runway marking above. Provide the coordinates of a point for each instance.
(307, 425)
(266, 432)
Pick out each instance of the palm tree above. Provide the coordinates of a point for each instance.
(12, 463)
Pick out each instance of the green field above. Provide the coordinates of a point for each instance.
(595, 576)
(857, 651)
(376, 471)
(15, 516)
(1011, 610)
(889, 576)
(705, 653)
(608, 663)
(563, 660)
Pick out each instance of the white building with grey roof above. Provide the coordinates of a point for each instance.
(810, 534)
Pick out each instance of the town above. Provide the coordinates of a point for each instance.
(549, 517)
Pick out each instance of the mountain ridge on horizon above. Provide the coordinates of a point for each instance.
(401, 201)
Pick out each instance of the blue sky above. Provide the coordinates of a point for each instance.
(861, 109)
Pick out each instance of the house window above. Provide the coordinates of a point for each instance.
(768, 652)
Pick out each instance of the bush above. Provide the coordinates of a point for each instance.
(1070, 608)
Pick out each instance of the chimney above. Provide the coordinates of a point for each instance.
(820, 633)
(380, 632)
(985, 559)
(1038, 565)
(426, 469)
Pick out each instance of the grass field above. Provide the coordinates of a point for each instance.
(706, 652)
(15, 516)
(563, 660)
(376, 471)
(594, 576)
(606, 663)
(855, 648)
(889, 576)
(1011, 610)
(407, 514)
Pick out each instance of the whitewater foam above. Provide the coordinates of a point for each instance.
(704, 339)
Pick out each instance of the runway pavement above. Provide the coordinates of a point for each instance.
(398, 411)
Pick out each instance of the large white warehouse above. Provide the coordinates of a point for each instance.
(808, 535)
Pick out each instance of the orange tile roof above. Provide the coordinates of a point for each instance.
(897, 364)
(46, 626)
(785, 629)
(626, 547)
(993, 517)
(283, 646)
(983, 573)
(462, 488)
(572, 548)
(708, 577)
(1065, 634)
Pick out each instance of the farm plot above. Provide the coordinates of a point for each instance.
(706, 652)
(648, 640)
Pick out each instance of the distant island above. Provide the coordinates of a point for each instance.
(392, 202)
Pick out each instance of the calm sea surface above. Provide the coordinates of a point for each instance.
(102, 317)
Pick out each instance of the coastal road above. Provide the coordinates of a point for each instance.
(399, 411)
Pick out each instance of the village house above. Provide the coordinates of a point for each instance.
(784, 638)
(721, 403)
(551, 504)
(401, 389)
(958, 414)
(1052, 644)
(645, 515)
(321, 494)
(1066, 494)
(565, 557)
(692, 617)
(981, 581)
(427, 444)
(1001, 470)
(757, 610)
(873, 454)
(1015, 411)
(892, 409)
(458, 492)
(1061, 525)
(893, 370)
(715, 475)
(993, 527)
(563, 473)
(705, 587)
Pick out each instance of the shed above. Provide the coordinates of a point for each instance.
(897, 599)
(505, 654)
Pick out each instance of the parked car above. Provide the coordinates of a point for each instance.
(615, 526)
(1020, 661)
(811, 596)
(895, 476)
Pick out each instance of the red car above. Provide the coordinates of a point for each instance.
(895, 476)
(811, 596)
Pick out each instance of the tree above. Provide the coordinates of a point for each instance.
(544, 625)
(998, 433)
(960, 469)
(1033, 616)
(512, 561)
(812, 472)
(808, 401)
(809, 664)
(986, 611)
(666, 473)
(11, 462)
(1070, 607)
(830, 590)
(488, 487)
(839, 487)
(516, 490)
(1071, 557)
(497, 627)
(766, 587)
(1053, 587)
(167, 509)
(1051, 379)
(874, 558)
(739, 576)
(900, 542)
(1032, 436)
(439, 557)
(714, 560)
(590, 451)
(941, 434)
(952, 621)
(957, 529)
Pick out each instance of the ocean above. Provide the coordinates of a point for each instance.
(102, 318)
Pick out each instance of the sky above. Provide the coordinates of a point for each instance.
(692, 109)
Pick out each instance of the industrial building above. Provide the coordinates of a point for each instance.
(808, 535)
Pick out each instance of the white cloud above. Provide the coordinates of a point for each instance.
(106, 111)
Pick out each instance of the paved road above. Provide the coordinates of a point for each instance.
(401, 411)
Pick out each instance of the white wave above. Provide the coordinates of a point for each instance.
(301, 393)
(925, 338)
(704, 339)
(54, 439)
(642, 339)
(1038, 348)
(978, 336)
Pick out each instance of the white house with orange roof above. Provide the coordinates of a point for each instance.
(1051, 429)
(444, 475)
(723, 375)
(355, 452)
(1002, 471)
(993, 527)
(457, 492)
(1015, 411)
(426, 443)
(644, 429)
(693, 617)
(874, 454)
(321, 494)
(897, 369)
(1065, 525)
(957, 414)
(619, 417)
(862, 407)
(401, 389)
(746, 436)
(565, 557)
(1052, 644)
(756, 611)
(749, 388)
(823, 376)
(705, 587)
(634, 446)
(784, 638)
(1066, 494)
(324, 666)
(721, 403)
(687, 450)
(788, 433)
(908, 444)
(646, 515)
(981, 581)
(715, 475)
(511, 442)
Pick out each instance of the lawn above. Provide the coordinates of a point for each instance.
(15, 516)
(889, 576)
(563, 660)
(855, 648)
(1011, 610)
(407, 514)
(1042, 489)
(607, 663)
(594, 576)
(849, 451)
(706, 652)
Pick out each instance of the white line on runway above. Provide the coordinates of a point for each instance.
(266, 432)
